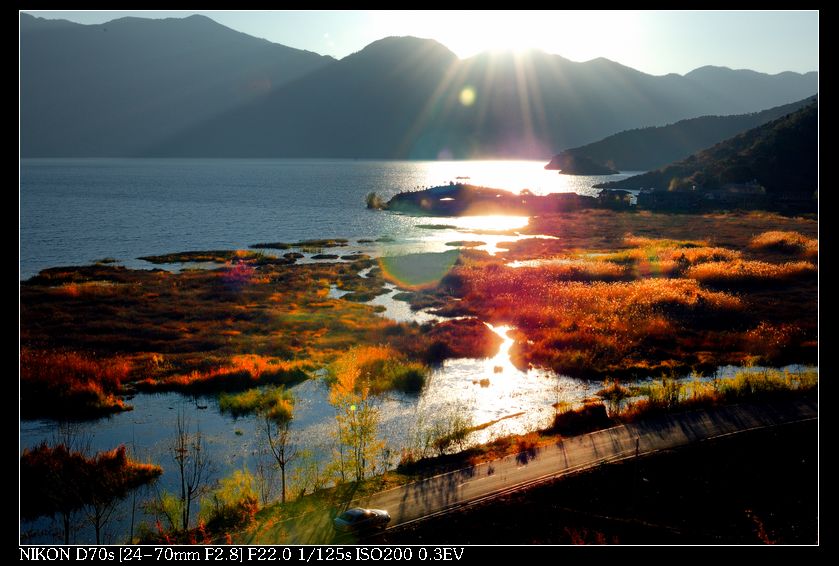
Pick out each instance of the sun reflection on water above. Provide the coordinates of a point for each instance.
(490, 223)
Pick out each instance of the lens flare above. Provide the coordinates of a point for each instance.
(417, 271)
(467, 96)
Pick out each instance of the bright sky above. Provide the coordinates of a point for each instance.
(656, 42)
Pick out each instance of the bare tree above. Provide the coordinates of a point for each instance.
(265, 473)
(193, 465)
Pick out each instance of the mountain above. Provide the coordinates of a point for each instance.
(400, 97)
(363, 106)
(114, 88)
(644, 149)
(781, 156)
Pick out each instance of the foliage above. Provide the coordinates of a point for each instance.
(356, 416)
(275, 402)
(380, 369)
(232, 504)
(668, 394)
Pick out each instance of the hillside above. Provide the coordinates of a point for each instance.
(644, 149)
(112, 89)
(781, 156)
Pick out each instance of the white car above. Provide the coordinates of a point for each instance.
(358, 519)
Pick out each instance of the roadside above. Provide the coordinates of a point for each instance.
(756, 487)
(453, 489)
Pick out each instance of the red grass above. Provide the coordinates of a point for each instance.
(595, 327)
(70, 383)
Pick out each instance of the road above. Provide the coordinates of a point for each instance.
(439, 493)
(444, 492)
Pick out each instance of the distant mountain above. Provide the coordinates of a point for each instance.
(644, 149)
(782, 156)
(397, 98)
(115, 88)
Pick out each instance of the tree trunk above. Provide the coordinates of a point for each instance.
(282, 480)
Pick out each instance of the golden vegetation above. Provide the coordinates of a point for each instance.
(790, 242)
(611, 299)
(746, 272)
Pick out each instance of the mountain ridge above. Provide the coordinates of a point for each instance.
(643, 149)
(781, 156)
(221, 93)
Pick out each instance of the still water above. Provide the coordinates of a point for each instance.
(75, 211)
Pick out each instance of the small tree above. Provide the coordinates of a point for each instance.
(356, 416)
(193, 466)
(265, 472)
(232, 504)
(277, 411)
(308, 475)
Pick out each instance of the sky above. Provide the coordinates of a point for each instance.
(656, 42)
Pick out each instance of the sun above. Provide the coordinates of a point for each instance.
(579, 35)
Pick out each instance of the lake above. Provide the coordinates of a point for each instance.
(75, 211)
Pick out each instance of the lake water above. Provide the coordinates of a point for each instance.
(75, 211)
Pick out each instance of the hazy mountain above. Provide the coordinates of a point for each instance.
(397, 98)
(401, 98)
(781, 155)
(111, 89)
(649, 148)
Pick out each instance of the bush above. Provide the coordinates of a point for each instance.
(232, 505)
(591, 416)
(374, 201)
